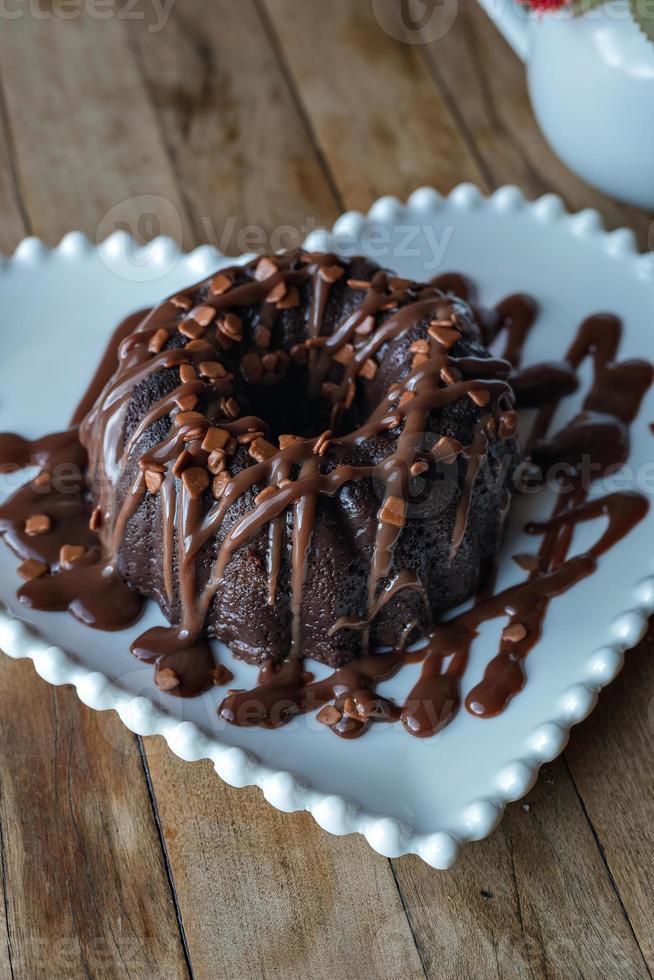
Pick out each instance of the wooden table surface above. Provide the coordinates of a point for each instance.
(240, 119)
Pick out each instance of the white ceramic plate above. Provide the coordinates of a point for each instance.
(405, 794)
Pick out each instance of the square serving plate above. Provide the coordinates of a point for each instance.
(406, 795)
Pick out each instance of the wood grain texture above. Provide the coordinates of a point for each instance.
(83, 878)
(75, 811)
(84, 134)
(380, 123)
(610, 759)
(249, 175)
(534, 900)
(264, 893)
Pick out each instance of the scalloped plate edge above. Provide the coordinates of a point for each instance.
(335, 814)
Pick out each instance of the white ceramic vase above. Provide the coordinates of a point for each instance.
(591, 82)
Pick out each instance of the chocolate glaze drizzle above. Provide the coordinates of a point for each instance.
(68, 535)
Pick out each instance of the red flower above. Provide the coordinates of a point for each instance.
(545, 6)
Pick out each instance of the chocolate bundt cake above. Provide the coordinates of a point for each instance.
(303, 454)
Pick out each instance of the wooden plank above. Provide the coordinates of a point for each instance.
(268, 894)
(610, 758)
(381, 124)
(85, 136)
(531, 901)
(84, 883)
(475, 67)
(249, 175)
(297, 903)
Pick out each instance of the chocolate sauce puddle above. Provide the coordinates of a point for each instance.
(69, 539)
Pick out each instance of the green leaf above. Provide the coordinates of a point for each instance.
(580, 7)
(643, 12)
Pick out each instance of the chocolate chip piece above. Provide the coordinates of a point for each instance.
(245, 438)
(261, 450)
(37, 524)
(70, 555)
(366, 326)
(443, 333)
(345, 354)
(368, 369)
(528, 563)
(204, 315)
(181, 302)
(419, 347)
(187, 373)
(446, 450)
(266, 268)
(166, 679)
(393, 511)
(216, 461)
(277, 293)
(153, 481)
(42, 479)
(514, 632)
(221, 675)
(231, 326)
(196, 481)
(191, 328)
(287, 440)
(212, 370)
(330, 273)
(321, 444)
(480, 396)
(350, 709)
(220, 284)
(329, 715)
(31, 569)
(189, 418)
(215, 439)
(450, 375)
(420, 466)
(95, 521)
(158, 340)
(219, 484)
(508, 424)
(230, 407)
(186, 403)
(265, 494)
(358, 284)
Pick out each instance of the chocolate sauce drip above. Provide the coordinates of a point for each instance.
(296, 475)
(602, 434)
(91, 590)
